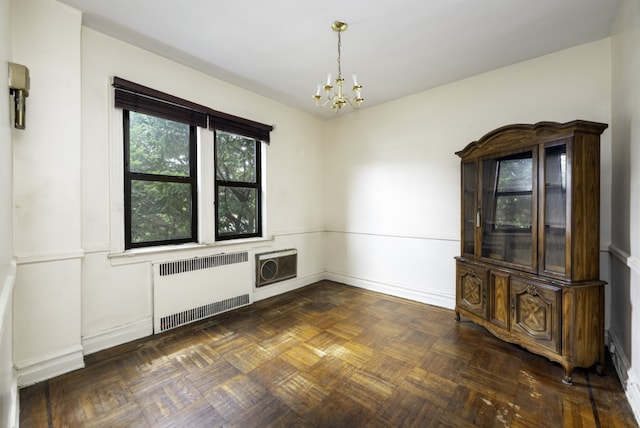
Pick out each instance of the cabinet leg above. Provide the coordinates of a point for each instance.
(602, 363)
(457, 316)
(567, 379)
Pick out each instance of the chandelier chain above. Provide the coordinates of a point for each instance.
(339, 55)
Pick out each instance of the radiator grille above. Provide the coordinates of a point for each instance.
(191, 315)
(197, 263)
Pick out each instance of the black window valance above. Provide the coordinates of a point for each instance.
(142, 99)
(236, 125)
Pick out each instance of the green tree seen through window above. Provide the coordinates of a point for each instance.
(160, 179)
(237, 186)
(513, 194)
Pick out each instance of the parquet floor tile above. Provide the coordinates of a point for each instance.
(327, 355)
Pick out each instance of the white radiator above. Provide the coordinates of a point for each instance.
(189, 290)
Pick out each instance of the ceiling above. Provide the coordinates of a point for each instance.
(283, 48)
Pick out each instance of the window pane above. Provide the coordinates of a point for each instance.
(513, 212)
(515, 175)
(235, 158)
(160, 211)
(158, 146)
(507, 232)
(237, 210)
(555, 208)
(469, 207)
(513, 194)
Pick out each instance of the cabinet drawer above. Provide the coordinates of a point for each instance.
(535, 312)
(472, 289)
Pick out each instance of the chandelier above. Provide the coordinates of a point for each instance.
(337, 97)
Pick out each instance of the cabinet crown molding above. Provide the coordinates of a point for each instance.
(510, 137)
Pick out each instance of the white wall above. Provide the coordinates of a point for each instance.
(117, 290)
(392, 185)
(625, 242)
(75, 292)
(46, 192)
(8, 381)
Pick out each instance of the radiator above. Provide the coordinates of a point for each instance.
(189, 290)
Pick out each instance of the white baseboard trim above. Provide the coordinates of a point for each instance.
(13, 418)
(9, 397)
(285, 286)
(423, 296)
(64, 361)
(117, 336)
(633, 396)
(629, 380)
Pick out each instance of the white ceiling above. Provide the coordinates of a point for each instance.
(283, 48)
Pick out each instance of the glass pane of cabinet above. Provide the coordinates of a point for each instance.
(507, 209)
(555, 211)
(469, 207)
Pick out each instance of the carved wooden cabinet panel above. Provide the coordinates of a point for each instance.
(535, 312)
(529, 264)
(472, 291)
(499, 303)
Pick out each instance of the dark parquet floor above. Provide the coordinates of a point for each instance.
(327, 355)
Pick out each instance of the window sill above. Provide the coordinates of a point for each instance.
(171, 252)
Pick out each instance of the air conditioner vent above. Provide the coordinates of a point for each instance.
(276, 266)
(268, 270)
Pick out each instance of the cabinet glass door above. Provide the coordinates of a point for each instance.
(507, 209)
(555, 208)
(468, 207)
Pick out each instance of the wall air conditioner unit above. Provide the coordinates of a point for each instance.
(276, 266)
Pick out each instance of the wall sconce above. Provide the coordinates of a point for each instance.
(19, 88)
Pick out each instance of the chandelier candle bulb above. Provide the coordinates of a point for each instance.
(355, 80)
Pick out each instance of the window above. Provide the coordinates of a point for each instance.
(513, 195)
(160, 181)
(161, 170)
(238, 190)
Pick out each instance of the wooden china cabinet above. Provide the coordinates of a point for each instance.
(529, 265)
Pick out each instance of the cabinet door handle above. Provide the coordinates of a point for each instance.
(478, 218)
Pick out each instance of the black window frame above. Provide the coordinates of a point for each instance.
(130, 96)
(256, 185)
(130, 177)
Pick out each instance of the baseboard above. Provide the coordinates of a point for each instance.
(277, 288)
(633, 395)
(117, 336)
(13, 418)
(9, 396)
(423, 296)
(627, 376)
(64, 361)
